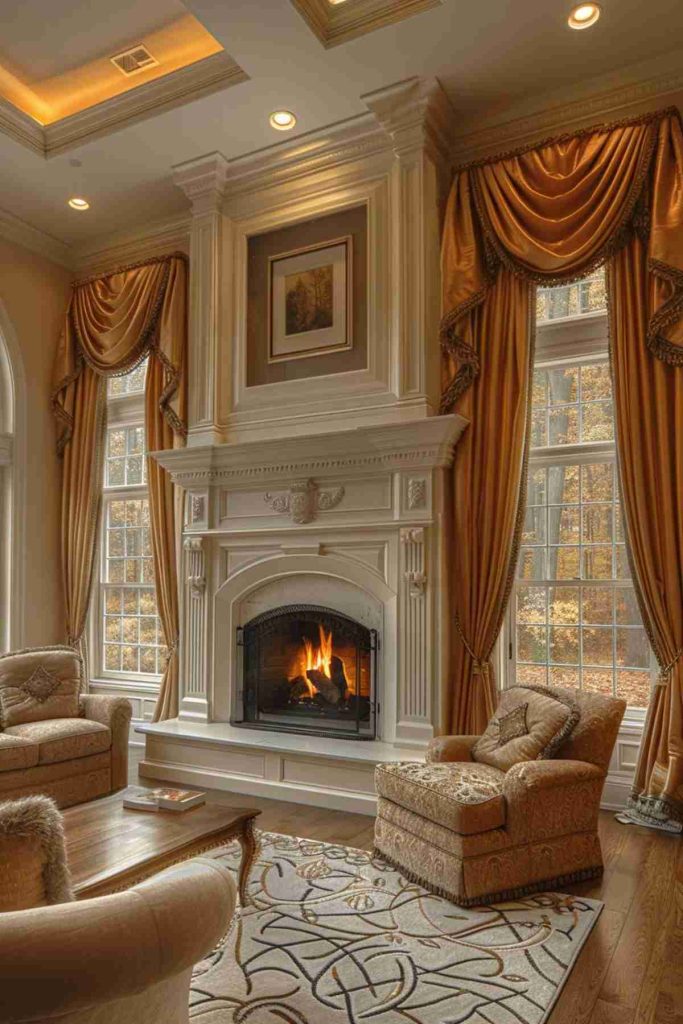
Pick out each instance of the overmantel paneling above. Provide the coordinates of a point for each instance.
(388, 161)
(311, 397)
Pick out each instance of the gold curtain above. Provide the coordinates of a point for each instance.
(112, 323)
(648, 398)
(547, 214)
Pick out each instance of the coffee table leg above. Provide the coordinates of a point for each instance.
(249, 846)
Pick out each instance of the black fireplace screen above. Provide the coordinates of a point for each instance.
(308, 669)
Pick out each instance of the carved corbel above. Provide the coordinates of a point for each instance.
(196, 577)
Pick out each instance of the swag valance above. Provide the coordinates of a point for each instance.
(552, 213)
(548, 215)
(113, 322)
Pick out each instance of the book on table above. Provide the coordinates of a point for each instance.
(138, 798)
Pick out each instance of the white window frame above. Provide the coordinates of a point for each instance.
(13, 484)
(122, 411)
(568, 341)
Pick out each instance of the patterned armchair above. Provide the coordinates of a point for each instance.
(475, 831)
(54, 739)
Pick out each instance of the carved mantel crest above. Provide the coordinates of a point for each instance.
(304, 501)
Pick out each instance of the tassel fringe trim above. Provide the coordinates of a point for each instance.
(572, 878)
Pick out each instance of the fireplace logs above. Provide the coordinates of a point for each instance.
(332, 688)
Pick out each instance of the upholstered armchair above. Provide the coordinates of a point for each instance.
(476, 831)
(54, 738)
(122, 959)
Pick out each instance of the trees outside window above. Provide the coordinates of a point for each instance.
(574, 618)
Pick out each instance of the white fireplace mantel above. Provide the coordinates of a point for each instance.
(425, 442)
(350, 519)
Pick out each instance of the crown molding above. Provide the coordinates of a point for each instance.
(17, 125)
(154, 239)
(219, 71)
(600, 100)
(336, 23)
(210, 177)
(415, 113)
(203, 181)
(12, 229)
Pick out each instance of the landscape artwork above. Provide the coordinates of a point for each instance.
(309, 301)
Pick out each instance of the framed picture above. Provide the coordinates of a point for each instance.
(309, 300)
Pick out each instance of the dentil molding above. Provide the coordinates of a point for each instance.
(421, 443)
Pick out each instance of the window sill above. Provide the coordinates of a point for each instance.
(125, 686)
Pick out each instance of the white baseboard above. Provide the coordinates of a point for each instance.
(616, 792)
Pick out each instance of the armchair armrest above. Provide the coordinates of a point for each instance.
(115, 713)
(74, 958)
(536, 775)
(451, 748)
(552, 798)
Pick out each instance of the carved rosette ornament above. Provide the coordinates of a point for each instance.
(417, 493)
(304, 501)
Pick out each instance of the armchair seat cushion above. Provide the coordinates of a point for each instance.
(17, 753)
(461, 796)
(63, 739)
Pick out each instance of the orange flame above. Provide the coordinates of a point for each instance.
(316, 658)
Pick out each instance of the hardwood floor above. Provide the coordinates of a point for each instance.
(631, 968)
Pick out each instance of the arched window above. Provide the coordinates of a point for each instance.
(12, 459)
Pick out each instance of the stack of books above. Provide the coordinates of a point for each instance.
(140, 799)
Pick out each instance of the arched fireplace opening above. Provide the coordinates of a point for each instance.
(308, 669)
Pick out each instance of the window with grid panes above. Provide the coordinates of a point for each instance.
(575, 618)
(130, 635)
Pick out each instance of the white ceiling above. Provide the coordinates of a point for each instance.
(39, 38)
(488, 54)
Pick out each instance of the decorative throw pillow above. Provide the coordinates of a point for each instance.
(530, 723)
(40, 684)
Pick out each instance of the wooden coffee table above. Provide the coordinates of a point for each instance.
(111, 847)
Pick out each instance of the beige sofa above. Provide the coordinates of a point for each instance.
(473, 832)
(54, 739)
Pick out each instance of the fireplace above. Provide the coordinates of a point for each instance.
(308, 669)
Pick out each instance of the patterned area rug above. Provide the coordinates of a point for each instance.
(335, 936)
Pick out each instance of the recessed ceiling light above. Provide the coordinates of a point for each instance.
(583, 16)
(282, 120)
(335, 2)
(78, 203)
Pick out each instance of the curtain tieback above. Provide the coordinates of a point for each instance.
(481, 666)
(171, 649)
(666, 671)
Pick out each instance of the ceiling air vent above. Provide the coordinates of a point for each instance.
(132, 61)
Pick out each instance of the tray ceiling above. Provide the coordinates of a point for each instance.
(497, 61)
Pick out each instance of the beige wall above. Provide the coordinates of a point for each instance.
(35, 293)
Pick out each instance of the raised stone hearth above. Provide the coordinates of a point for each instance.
(350, 522)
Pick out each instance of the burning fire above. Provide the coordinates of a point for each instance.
(316, 658)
